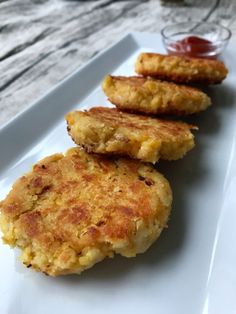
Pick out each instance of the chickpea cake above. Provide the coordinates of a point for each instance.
(181, 69)
(110, 131)
(149, 96)
(73, 210)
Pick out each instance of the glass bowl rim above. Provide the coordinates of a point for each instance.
(228, 31)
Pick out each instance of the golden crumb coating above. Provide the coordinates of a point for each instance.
(110, 131)
(145, 95)
(71, 211)
(181, 69)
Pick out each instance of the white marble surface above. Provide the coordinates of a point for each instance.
(42, 41)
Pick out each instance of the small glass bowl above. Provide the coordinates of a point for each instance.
(217, 36)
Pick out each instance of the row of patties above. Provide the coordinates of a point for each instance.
(128, 130)
(73, 210)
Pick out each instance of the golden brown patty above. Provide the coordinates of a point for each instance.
(138, 94)
(181, 69)
(72, 211)
(110, 131)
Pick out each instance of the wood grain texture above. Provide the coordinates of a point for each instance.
(42, 41)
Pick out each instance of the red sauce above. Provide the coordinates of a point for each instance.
(193, 46)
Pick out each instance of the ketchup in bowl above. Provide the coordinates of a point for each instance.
(195, 39)
(193, 46)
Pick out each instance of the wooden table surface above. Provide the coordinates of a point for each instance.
(42, 41)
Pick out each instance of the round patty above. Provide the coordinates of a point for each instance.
(145, 95)
(181, 69)
(72, 211)
(110, 131)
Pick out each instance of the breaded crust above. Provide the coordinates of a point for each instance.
(149, 96)
(181, 69)
(110, 131)
(72, 211)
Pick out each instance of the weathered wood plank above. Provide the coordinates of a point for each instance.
(44, 41)
(22, 69)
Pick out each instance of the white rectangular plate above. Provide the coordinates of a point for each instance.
(191, 268)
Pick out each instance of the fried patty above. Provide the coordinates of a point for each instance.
(181, 69)
(73, 210)
(149, 96)
(110, 131)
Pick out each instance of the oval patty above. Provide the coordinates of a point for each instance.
(73, 210)
(149, 96)
(181, 69)
(110, 131)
